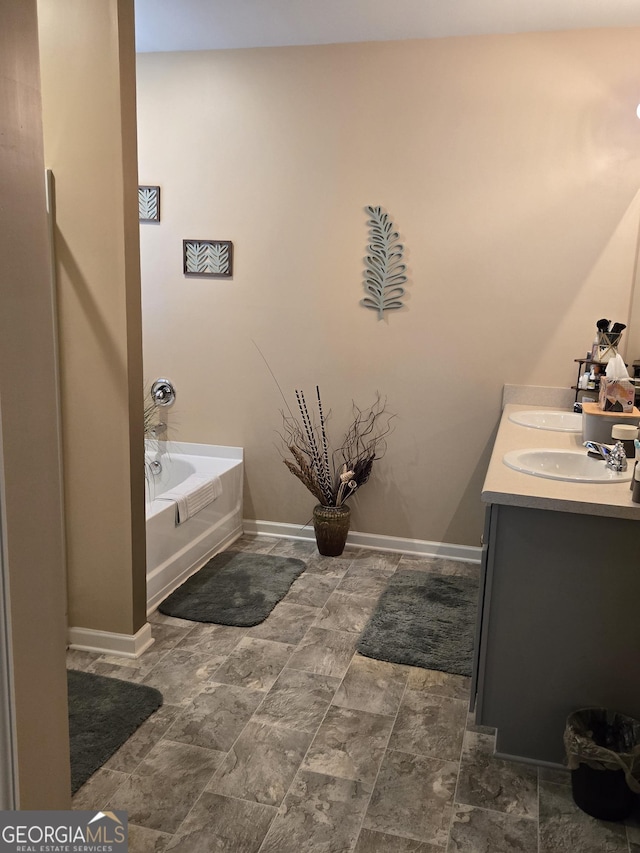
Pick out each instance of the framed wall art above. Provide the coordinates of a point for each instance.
(149, 204)
(212, 258)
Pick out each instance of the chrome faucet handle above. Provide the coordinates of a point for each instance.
(603, 449)
(617, 458)
(163, 393)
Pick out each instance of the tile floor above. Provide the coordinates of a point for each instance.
(281, 739)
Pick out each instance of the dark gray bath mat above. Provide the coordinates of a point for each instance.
(103, 713)
(424, 619)
(234, 588)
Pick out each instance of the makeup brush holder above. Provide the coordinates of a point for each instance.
(607, 346)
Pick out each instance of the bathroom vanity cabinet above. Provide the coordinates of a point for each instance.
(559, 612)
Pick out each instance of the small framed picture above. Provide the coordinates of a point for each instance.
(212, 258)
(149, 204)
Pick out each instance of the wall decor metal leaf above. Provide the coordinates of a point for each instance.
(212, 258)
(149, 204)
(384, 270)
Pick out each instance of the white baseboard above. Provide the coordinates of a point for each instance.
(105, 642)
(420, 547)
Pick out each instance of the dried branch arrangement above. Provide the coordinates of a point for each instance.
(334, 476)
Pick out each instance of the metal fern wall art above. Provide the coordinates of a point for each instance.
(384, 267)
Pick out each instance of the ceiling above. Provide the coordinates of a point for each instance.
(213, 24)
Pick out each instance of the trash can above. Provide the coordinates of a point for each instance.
(603, 754)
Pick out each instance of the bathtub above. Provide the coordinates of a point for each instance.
(176, 551)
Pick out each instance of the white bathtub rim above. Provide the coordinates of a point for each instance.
(185, 448)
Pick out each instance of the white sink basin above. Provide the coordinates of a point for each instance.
(571, 465)
(558, 421)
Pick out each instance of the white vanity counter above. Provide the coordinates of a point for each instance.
(503, 485)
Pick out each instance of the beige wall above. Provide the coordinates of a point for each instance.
(509, 164)
(88, 85)
(631, 338)
(30, 499)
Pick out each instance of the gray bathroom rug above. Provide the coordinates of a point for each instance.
(234, 588)
(424, 619)
(103, 714)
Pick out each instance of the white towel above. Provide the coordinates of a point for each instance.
(192, 495)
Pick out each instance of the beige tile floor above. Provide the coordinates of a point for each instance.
(282, 739)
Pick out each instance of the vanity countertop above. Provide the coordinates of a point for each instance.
(503, 485)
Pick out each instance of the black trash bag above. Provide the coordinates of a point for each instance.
(603, 753)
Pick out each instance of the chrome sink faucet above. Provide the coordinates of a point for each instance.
(614, 457)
